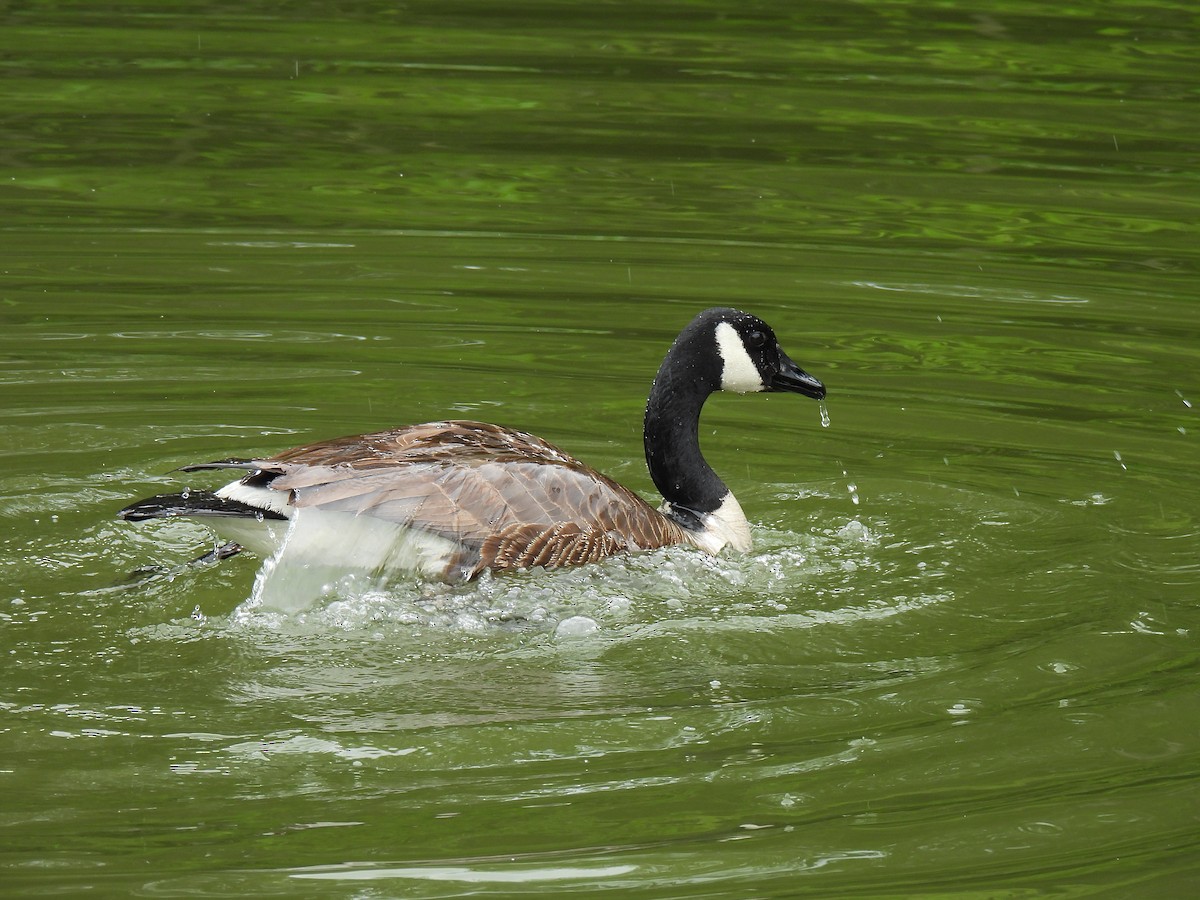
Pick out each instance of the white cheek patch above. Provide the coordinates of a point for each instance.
(738, 372)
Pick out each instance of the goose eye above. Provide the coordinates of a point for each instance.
(756, 340)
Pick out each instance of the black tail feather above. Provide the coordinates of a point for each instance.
(193, 503)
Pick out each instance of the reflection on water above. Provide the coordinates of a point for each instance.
(962, 653)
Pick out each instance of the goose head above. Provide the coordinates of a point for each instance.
(740, 353)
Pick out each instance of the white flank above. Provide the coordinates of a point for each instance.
(738, 372)
(322, 546)
(315, 547)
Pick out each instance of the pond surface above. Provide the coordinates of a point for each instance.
(962, 658)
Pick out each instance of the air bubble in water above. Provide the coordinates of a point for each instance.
(576, 626)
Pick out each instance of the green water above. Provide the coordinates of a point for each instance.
(961, 660)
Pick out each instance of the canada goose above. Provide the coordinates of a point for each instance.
(451, 499)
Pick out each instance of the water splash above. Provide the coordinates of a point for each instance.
(615, 599)
(824, 414)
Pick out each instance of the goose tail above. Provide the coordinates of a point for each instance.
(194, 504)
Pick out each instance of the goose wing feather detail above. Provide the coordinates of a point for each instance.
(508, 499)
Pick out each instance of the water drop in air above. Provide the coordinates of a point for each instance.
(824, 415)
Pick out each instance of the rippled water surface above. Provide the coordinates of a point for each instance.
(961, 659)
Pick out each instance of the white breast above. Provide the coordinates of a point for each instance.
(725, 527)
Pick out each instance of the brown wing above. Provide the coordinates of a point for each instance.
(508, 498)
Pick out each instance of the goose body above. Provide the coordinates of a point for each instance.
(454, 498)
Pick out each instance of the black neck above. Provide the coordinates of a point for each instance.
(672, 435)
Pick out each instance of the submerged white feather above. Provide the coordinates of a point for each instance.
(261, 536)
